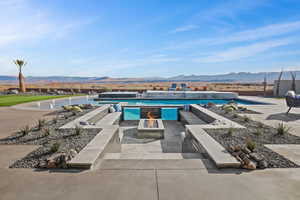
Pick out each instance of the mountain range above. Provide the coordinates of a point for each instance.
(242, 77)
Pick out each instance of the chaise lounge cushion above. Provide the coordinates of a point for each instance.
(118, 108)
(112, 109)
(290, 93)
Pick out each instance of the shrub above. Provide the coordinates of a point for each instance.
(246, 118)
(78, 130)
(25, 130)
(258, 132)
(230, 131)
(55, 120)
(47, 131)
(250, 144)
(235, 115)
(41, 123)
(228, 109)
(55, 147)
(260, 125)
(282, 129)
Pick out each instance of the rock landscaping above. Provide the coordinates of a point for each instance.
(56, 147)
(247, 145)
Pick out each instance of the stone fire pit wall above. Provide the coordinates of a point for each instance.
(145, 132)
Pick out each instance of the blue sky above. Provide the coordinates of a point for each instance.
(145, 38)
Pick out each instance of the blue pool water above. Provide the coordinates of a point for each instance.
(132, 113)
(181, 101)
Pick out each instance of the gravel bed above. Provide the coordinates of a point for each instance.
(67, 139)
(267, 135)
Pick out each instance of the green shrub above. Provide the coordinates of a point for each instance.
(55, 147)
(260, 125)
(228, 109)
(246, 118)
(78, 130)
(55, 120)
(282, 129)
(258, 132)
(25, 130)
(47, 131)
(41, 123)
(235, 115)
(250, 144)
(230, 131)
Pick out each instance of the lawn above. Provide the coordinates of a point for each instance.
(11, 100)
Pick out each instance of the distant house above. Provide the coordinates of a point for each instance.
(285, 86)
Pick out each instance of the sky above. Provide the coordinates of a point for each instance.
(149, 38)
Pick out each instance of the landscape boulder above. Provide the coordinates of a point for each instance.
(249, 160)
(251, 165)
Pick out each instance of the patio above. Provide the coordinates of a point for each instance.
(190, 179)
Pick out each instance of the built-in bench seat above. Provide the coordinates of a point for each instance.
(91, 117)
(110, 119)
(190, 118)
(213, 120)
(221, 157)
(106, 141)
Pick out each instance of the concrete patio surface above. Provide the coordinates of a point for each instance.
(11, 119)
(274, 114)
(187, 180)
(290, 151)
(150, 184)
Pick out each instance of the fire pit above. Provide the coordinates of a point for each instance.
(151, 128)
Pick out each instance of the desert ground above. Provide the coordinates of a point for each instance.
(241, 88)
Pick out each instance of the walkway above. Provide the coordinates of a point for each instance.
(274, 114)
(188, 183)
(11, 119)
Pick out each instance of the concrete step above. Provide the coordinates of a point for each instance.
(152, 156)
(147, 164)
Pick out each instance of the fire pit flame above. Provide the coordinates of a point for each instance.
(150, 121)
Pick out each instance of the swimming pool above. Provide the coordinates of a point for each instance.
(58, 103)
(150, 102)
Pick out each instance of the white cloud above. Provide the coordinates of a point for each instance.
(260, 33)
(184, 28)
(109, 66)
(23, 23)
(237, 53)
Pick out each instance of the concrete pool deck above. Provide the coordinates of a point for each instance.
(12, 119)
(192, 181)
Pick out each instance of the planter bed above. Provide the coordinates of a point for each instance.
(68, 139)
(268, 136)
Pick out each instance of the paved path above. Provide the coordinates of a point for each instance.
(198, 182)
(274, 114)
(12, 119)
(150, 184)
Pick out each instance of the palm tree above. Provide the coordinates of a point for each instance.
(20, 64)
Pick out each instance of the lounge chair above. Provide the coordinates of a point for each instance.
(183, 86)
(173, 87)
(292, 100)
